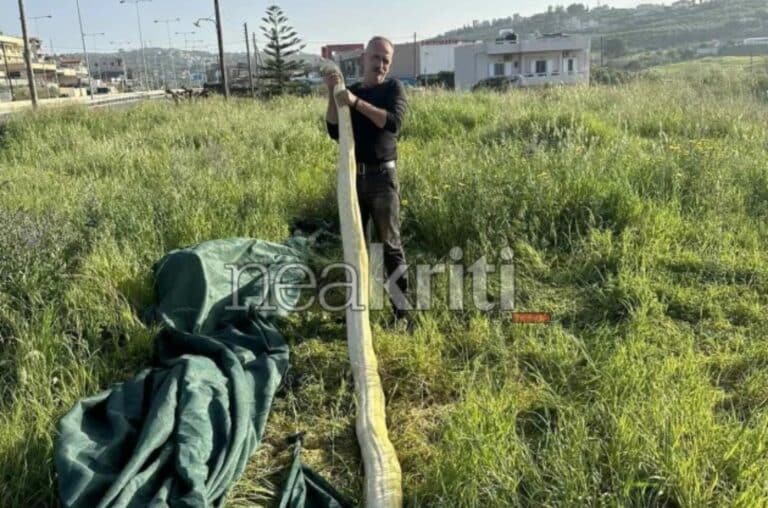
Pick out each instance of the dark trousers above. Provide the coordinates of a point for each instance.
(379, 196)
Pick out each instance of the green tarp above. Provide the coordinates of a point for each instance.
(181, 433)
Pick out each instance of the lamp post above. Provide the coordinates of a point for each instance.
(141, 37)
(36, 19)
(28, 56)
(85, 48)
(186, 49)
(95, 34)
(222, 68)
(168, 22)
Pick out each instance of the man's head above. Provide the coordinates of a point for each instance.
(377, 59)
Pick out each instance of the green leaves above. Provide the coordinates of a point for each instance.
(284, 42)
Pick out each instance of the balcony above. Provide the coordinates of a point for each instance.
(538, 45)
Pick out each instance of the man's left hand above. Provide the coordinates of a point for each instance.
(345, 97)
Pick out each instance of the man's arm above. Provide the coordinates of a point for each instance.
(331, 113)
(390, 118)
(332, 118)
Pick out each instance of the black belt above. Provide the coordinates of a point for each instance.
(370, 168)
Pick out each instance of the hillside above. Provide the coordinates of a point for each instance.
(637, 217)
(649, 27)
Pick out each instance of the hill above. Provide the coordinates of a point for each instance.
(648, 27)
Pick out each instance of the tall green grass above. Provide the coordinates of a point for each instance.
(637, 215)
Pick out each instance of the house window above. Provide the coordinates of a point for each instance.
(498, 69)
(516, 64)
(541, 66)
(571, 65)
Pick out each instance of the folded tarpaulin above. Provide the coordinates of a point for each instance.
(306, 489)
(181, 433)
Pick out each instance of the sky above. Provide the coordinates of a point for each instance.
(317, 23)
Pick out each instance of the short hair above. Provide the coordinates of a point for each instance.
(379, 38)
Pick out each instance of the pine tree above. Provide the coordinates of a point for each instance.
(283, 43)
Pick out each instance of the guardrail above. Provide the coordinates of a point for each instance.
(8, 109)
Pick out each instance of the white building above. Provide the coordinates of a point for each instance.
(350, 63)
(756, 41)
(437, 56)
(559, 59)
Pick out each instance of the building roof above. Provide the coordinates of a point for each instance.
(11, 40)
(551, 42)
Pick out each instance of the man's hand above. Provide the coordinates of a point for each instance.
(331, 80)
(345, 97)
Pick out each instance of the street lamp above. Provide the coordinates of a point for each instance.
(95, 34)
(186, 49)
(197, 23)
(36, 18)
(170, 44)
(220, 37)
(141, 37)
(85, 49)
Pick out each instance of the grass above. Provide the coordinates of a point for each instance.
(637, 215)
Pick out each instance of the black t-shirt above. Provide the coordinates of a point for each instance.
(371, 143)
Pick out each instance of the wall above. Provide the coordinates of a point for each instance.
(471, 64)
(437, 58)
(405, 62)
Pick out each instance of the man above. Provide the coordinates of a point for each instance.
(377, 106)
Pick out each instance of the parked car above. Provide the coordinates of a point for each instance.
(497, 83)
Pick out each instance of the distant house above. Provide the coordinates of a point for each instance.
(756, 41)
(12, 60)
(350, 63)
(650, 7)
(552, 59)
(72, 72)
(109, 69)
(328, 52)
(710, 49)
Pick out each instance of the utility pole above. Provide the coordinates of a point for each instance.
(415, 57)
(141, 37)
(170, 45)
(7, 73)
(602, 50)
(248, 54)
(220, 36)
(28, 56)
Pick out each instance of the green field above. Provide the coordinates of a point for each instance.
(637, 215)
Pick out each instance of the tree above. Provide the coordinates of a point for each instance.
(277, 69)
(615, 48)
(576, 10)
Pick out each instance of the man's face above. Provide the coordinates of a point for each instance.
(376, 61)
